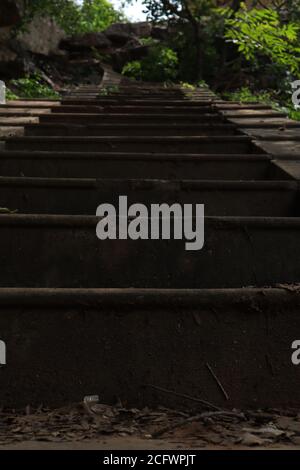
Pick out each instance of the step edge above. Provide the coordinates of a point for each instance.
(218, 222)
(144, 297)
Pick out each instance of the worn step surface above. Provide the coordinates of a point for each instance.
(132, 109)
(171, 144)
(143, 165)
(82, 196)
(154, 119)
(63, 251)
(136, 103)
(137, 129)
(65, 344)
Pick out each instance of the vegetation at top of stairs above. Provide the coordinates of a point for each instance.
(246, 95)
(159, 65)
(31, 87)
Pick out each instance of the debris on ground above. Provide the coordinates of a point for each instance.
(91, 420)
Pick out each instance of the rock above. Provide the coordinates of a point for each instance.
(14, 60)
(86, 41)
(160, 32)
(5, 34)
(128, 54)
(7, 55)
(42, 36)
(11, 12)
(133, 42)
(251, 440)
(289, 424)
(271, 432)
(119, 39)
(121, 33)
(268, 432)
(296, 440)
(260, 417)
(283, 422)
(13, 66)
(141, 29)
(137, 53)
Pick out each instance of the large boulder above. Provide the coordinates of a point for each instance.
(14, 68)
(11, 12)
(14, 62)
(11, 61)
(5, 35)
(160, 32)
(142, 29)
(121, 33)
(41, 36)
(7, 54)
(86, 41)
(128, 54)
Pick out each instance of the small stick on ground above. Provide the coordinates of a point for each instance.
(183, 395)
(218, 381)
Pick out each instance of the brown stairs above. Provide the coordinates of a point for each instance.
(131, 320)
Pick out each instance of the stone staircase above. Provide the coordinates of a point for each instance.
(139, 320)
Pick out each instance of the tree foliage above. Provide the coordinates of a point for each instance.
(160, 65)
(213, 41)
(31, 87)
(191, 21)
(91, 15)
(97, 15)
(261, 32)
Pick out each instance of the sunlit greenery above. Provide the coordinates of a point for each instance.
(245, 95)
(10, 95)
(248, 53)
(160, 65)
(91, 15)
(252, 53)
(261, 32)
(32, 87)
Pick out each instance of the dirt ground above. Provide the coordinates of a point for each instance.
(133, 443)
(93, 426)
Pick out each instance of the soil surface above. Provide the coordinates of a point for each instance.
(93, 426)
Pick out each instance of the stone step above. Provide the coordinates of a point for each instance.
(268, 122)
(274, 134)
(215, 144)
(133, 96)
(36, 104)
(142, 165)
(290, 167)
(138, 92)
(225, 106)
(83, 196)
(17, 121)
(19, 112)
(10, 131)
(154, 119)
(81, 341)
(133, 102)
(251, 113)
(63, 251)
(146, 96)
(115, 109)
(145, 99)
(130, 129)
